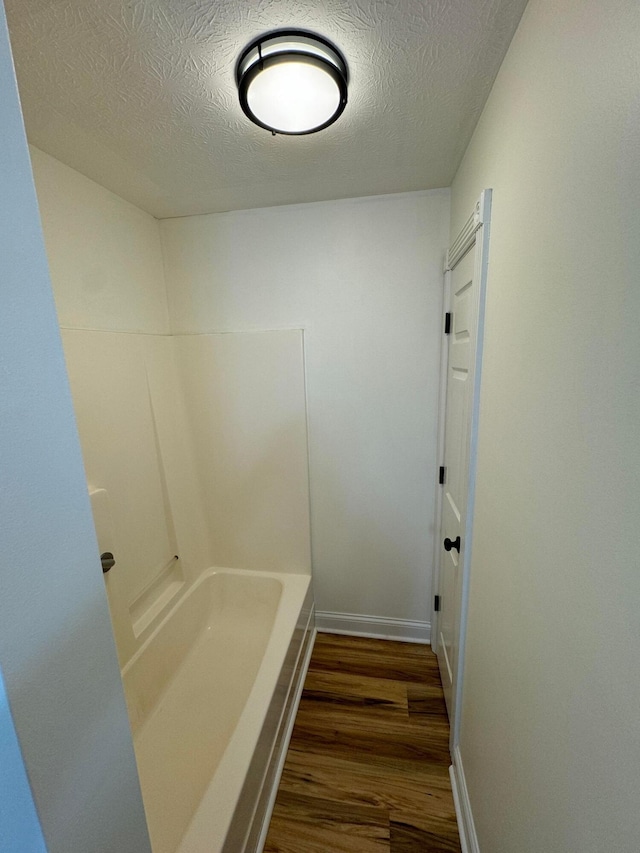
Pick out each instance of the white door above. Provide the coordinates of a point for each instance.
(454, 498)
(465, 284)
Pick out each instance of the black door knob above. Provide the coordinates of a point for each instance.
(452, 543)
(108, 561)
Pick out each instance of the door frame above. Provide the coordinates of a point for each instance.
(475, 231)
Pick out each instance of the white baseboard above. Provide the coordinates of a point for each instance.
(288, 731)
(466, 826)
(379, 627)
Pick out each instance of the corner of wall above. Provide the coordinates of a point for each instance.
(165, 280)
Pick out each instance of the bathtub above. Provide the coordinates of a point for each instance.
(211, 696)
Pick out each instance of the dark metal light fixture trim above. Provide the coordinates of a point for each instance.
(282, 46)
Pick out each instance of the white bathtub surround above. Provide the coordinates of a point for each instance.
(137, 447)
(381, 627)
(244, 396)
(209, 696)
(201, 445)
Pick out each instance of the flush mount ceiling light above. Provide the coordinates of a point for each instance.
(292, 82)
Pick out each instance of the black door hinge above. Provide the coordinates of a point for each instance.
(436, 603)
(442, 475)
(447, 323)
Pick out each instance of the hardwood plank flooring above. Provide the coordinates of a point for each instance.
(367, 769)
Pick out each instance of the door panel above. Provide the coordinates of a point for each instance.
(459, 398)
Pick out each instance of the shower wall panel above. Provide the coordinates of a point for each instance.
(135, 446)
(245, 398)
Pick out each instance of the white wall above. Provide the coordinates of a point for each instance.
(550, 737)
(104, 254)
(363, 277)
(56, 649)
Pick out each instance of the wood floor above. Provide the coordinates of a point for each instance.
(367, 769)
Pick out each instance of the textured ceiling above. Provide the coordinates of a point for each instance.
(140, 95)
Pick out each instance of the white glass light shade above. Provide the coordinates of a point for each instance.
(292, 82)
(293, 97)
